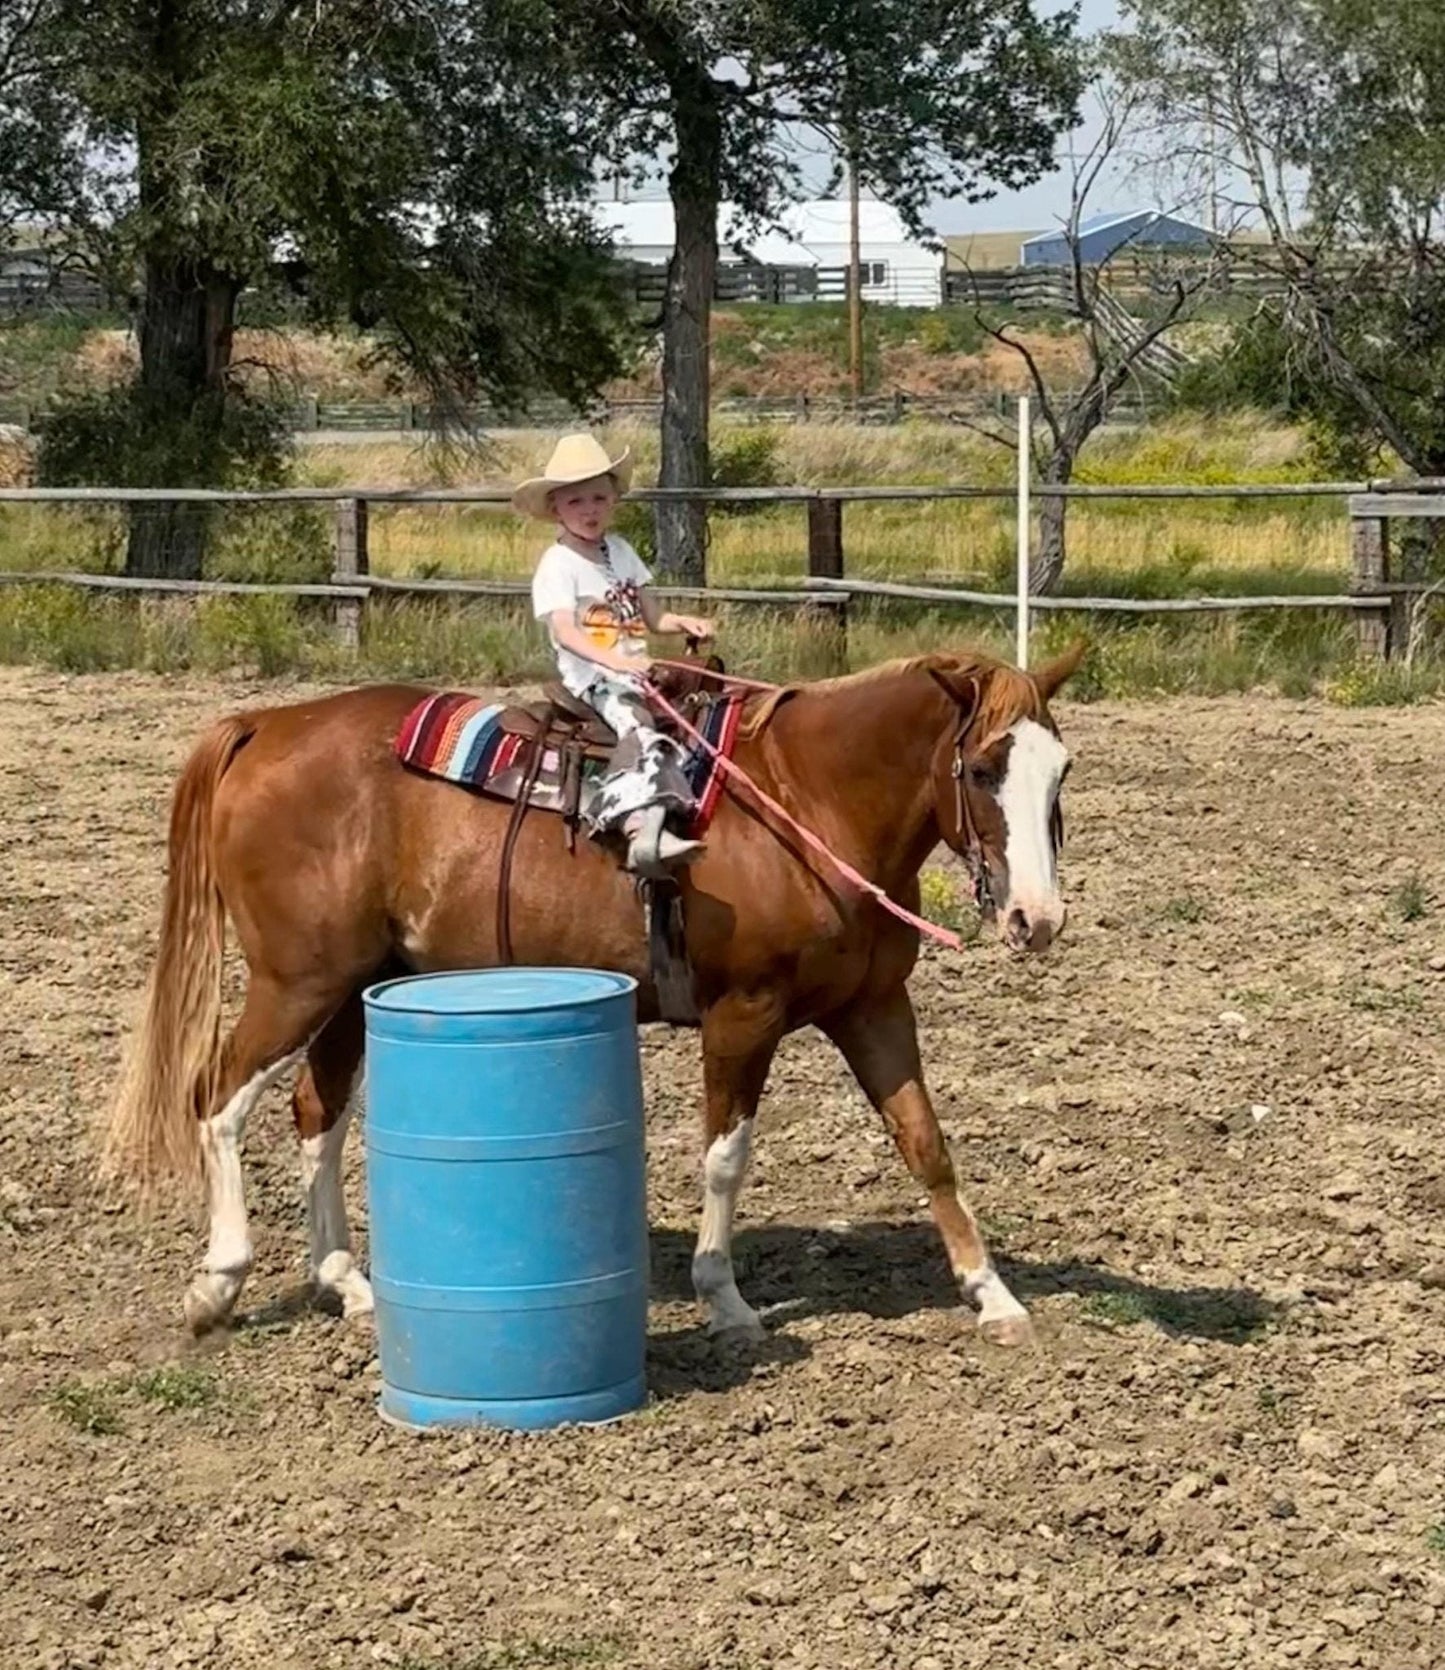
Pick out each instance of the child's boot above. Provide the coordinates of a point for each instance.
(653, 849)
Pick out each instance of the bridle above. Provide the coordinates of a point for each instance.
(966, 840)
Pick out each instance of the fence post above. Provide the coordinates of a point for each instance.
(1369, 571)
(827, 614)
(310, 412)
(1023, 555)
(352, 559)
(825, 539)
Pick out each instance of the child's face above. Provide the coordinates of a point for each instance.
(585, 510)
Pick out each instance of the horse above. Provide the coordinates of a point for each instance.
(336, 865)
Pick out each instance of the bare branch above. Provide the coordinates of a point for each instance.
(1047, 408)
(1000, 437)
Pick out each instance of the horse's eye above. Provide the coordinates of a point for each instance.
(983, 777)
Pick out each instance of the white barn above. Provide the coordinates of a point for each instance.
(897, 269)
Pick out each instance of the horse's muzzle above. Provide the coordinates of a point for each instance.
(1023, 930)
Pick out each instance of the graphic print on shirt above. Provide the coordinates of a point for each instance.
(616, 622)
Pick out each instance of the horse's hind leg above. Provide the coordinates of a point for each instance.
(269, 1037)
(322, 1106)
(880, 1040)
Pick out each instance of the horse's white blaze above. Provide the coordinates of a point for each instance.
(712, 1266)
(228, 1253)
(1036, 762)
(332, 1265)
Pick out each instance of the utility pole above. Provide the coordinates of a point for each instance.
(855, 279)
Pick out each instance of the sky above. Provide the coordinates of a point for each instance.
(1041, 206)
(1046, 204)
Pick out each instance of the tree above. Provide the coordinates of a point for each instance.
(1324, 122)
(936, 98)
(1119, 349)
(406, 165)
(32, 113)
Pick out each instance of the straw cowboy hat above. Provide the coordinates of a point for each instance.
(575, 458)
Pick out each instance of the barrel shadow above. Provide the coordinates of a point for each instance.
(894, 1270)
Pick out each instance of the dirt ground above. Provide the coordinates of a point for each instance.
(1205, 1134)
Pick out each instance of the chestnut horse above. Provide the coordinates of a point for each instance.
(335, 864)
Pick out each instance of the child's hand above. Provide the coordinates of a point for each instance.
(633, 666)
(693, 626)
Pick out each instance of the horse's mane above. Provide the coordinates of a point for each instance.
(1005, 693)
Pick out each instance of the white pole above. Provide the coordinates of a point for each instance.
(1025, 435)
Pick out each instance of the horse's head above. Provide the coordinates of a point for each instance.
(997, 776)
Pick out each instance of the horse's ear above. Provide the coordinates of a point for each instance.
(1052, 674)
(965, 688)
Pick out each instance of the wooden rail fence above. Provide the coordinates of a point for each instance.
(1384, 608)
(311, 416)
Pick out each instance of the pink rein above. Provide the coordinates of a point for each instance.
(735, 773)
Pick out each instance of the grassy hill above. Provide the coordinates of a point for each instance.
(757, 350)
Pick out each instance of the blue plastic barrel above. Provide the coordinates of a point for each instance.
(505, 1179)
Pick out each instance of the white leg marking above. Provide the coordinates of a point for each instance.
(332, 1266)
(988, 1290)
(1002, 1320)
(213, 1293)
(1036, 762)
(712, 1266)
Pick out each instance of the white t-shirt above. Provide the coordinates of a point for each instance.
(605, 600)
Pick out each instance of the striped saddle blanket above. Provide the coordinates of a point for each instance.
(466, 741)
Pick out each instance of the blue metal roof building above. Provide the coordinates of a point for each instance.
(1101, 236)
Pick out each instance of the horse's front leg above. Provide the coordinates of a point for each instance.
(879, 1038)
(739, 1036)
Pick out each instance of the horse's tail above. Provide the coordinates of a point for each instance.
(170, 1077)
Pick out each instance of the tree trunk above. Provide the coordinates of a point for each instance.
(186, 325)
(1047, 567)
(695, 186)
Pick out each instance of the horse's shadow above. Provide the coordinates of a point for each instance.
(890, 1271)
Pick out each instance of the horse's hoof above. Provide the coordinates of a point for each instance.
(1010, 1331)
(358, 1307)
(202, 1308)
(738, 1332)
(737, 1341)
(338, 1274)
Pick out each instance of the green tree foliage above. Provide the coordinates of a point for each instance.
(1324, 120)
(35, 172)
(404, 165)
(934, 98)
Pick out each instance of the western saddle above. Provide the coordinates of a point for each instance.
(559, 723)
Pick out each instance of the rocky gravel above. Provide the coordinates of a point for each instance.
(1205, 1136)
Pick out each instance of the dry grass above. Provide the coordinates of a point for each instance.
(1166, 545)
(1152, 548)
(476, 644)
(290, 362)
